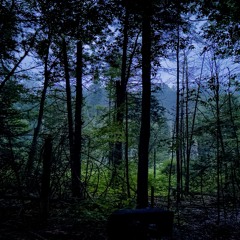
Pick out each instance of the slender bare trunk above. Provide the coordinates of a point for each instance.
(191, 134)
(220, 144)
(187, 155)
(178, 152)
(69, 111)
(126, 149)
(76, 178)
(121, 92)
(37, 129)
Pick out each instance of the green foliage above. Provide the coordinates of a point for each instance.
(223, 26)
(14, 128)
(12, 122)
(203, 177)
(161, 181)
(104, 186)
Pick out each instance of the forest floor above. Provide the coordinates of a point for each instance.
(193, 220)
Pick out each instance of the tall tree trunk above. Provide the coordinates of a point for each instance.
(178, 152)
(126, 117)
(126, 149)
(187, 167)
(110, 119)
(118, 151)
(143, 155)
(121, 92)
(170, 170)
(182, 127)
(219, 140)
(37, 129)
(69, 111)
(76, 165)
(187, 180)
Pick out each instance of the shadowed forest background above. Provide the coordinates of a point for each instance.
(111, 104)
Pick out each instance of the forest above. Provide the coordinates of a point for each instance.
(119, 104)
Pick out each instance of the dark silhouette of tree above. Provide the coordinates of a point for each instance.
(143, 151)
(44, 54)
(76, 178)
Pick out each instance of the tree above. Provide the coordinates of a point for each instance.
(76, 188)
(69, 116)
(121, 90)
(222, 27)
(178, 139)
(143, 152)
(43, 51)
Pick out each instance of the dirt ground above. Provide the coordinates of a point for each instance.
(192, 220)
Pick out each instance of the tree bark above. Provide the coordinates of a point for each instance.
(45, 188)
(69, 110)
(37, 129)
(178, 152)
(76, 178)
(219, 139)
(121, 92)
(143, 151)
(126, 150)
(190, 138)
